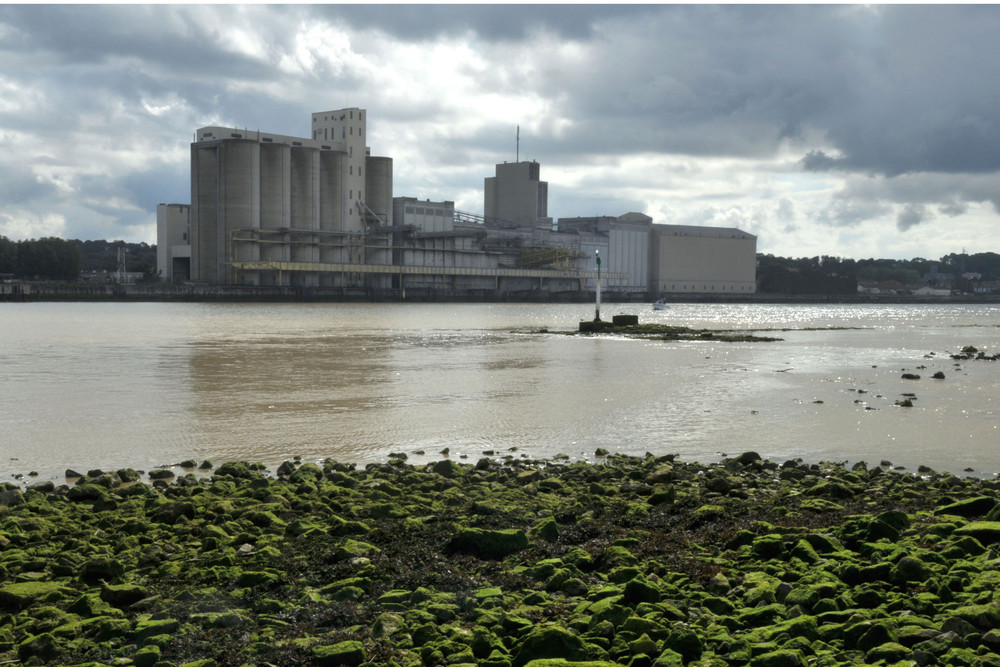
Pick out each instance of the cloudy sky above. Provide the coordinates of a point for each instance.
(853, 131)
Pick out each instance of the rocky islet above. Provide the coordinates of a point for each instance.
(506, 562)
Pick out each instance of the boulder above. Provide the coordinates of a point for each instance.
(348, 653)
(549, 642)
(987, 532)
(969, 508)
(492, 544)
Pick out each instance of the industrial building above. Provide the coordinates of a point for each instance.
(269, 209)
(319, 214)
(173, 242)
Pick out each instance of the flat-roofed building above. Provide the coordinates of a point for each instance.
(516, 194)
(173, 242)
(705, 260)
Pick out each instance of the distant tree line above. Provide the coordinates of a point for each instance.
(835, 275)
(52, 258)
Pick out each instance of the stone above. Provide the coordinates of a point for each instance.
(780, 658)
(123, 595)
(549, 642)
(17, 596)
(987, 532)
(491, 544)
(685, 642)
(347, 653)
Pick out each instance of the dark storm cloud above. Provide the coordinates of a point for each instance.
(919, 93)
(182, 40)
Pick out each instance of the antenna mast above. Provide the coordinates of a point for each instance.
(517, 154)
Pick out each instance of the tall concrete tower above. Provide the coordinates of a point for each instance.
(347, 128)
(517, 195)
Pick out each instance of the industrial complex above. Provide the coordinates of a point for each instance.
(319, 214)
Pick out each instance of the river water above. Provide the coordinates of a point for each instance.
(108, 385)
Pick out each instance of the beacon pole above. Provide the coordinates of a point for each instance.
(597, 312)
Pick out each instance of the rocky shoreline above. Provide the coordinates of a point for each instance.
(507, 562)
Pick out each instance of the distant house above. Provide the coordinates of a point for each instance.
(932, 291)
(988, 286)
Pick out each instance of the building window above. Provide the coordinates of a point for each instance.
(352, 170)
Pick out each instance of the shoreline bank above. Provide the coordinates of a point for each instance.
(42, 292)
(638, 560)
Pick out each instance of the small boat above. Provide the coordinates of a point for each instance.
(660, 305)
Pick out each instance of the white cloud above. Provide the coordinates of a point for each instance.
(20, 225)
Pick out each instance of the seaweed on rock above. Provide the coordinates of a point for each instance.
(637, 560)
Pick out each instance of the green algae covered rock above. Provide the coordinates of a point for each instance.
(494, 544)
(562, 662)
(890, 653)
(42, 646)
(767, 575)
(969, 508)
(146, 656)
(17, 596)
(780, 658)
(349, 653)
(123, 595)
(549, 642)
(986, 532)
(686, 642)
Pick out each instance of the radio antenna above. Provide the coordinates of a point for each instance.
(517, 155)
